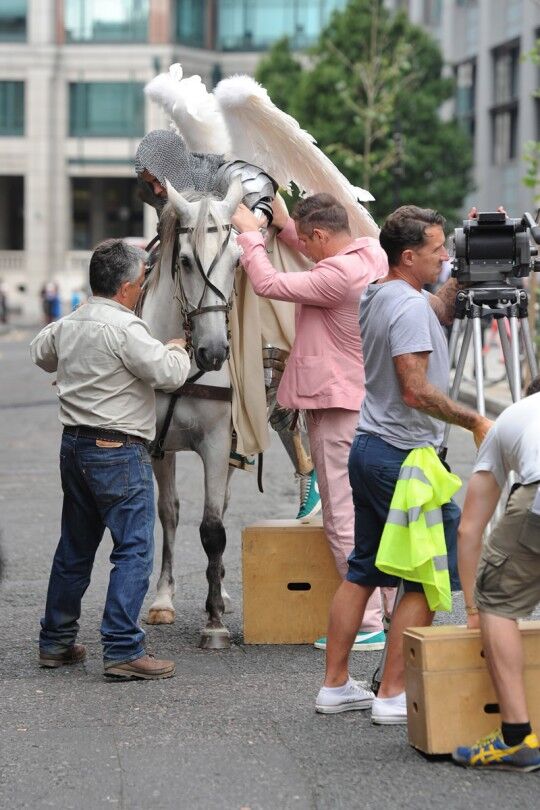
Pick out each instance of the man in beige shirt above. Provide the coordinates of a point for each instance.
(107, 366)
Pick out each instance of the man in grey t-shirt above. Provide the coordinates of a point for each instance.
(406, 366)
(501, 578)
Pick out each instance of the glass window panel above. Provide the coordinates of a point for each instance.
(104, 208)
(504, 136)
(13, 20)
(106, 20)
(245, 25)
(11, 108)
(190, 22)
(11, 212)
(106, 109)
(506, 75)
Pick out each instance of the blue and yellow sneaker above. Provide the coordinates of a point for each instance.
(492, 753)
(310, 500)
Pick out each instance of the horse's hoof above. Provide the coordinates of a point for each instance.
(161, 616)
(215, 638)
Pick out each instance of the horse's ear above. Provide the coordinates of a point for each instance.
(179, 203)
(234, 196)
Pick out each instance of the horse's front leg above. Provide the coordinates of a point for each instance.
(162, 610)
(214, 451)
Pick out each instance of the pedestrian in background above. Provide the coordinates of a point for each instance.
(107, 366)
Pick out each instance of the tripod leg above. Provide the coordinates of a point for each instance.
(527, 345)
(516, 368)
(507, 355)
(478, 366)
(379, 672)
(458, 376)
(452, 343)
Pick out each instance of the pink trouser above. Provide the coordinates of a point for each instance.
(331, 431)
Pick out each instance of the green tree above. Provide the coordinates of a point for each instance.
(371, 95)
(532, 148)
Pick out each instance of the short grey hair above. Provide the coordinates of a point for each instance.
(113, 263)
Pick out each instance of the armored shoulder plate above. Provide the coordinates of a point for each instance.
(259, 188)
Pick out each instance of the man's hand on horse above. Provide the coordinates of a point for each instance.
(177, 342)
(244, 220)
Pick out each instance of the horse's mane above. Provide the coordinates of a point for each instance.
(169, 221)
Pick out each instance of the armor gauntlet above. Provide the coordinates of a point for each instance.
(259, 188)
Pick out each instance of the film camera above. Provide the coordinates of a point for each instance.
(493, 249)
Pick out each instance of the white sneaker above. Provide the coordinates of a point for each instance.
(389, 711)
(345, 698)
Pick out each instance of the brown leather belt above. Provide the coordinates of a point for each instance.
(88, 432)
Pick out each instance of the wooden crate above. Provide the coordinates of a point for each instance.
(450, 698)
(289, 579)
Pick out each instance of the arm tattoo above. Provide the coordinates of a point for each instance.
(444, 301)
(419, 393)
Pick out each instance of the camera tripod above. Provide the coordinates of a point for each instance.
(472, 305)
(501, 303)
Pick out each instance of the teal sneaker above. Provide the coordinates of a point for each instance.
(492, 753)
(363, 641)
(310, 500)
(369, 641)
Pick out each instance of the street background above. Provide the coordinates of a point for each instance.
(233, 729)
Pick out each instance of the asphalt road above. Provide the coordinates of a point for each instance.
(234, 729)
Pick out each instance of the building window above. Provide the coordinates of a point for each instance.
(513, 16)
(253, 25)
(11, 108)
(432, 13)
(106, 20)
(13, 20)
(191, 17)
(11, 212)
(104, 208)
(465, 96)
(106, 109)
(504, 112)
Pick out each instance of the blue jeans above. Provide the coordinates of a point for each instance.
(103, 488)
(374, 467)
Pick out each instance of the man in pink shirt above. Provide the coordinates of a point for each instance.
(325, 373)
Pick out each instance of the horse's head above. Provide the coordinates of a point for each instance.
(205, 260)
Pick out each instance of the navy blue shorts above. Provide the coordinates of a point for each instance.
(374, 467)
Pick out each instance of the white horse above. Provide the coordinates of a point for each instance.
(196, 243)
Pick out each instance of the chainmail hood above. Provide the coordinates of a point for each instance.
(165, 155)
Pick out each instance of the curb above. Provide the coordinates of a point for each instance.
(494, 405)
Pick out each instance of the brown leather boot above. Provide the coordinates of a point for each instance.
(146, 668)
(73, 655)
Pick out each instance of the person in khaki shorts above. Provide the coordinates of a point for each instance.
(501, 580)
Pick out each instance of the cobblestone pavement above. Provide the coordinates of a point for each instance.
(234, 729)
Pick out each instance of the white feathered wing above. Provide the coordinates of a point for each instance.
(193, 110)
(264, 135)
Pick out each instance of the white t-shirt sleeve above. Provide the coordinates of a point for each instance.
(490, 457)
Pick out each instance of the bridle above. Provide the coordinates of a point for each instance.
(187, 313)
(191, 387)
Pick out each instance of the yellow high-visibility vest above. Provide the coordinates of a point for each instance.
(412, 544)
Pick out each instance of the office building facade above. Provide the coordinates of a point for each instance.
(72, 113)
(485, 43)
